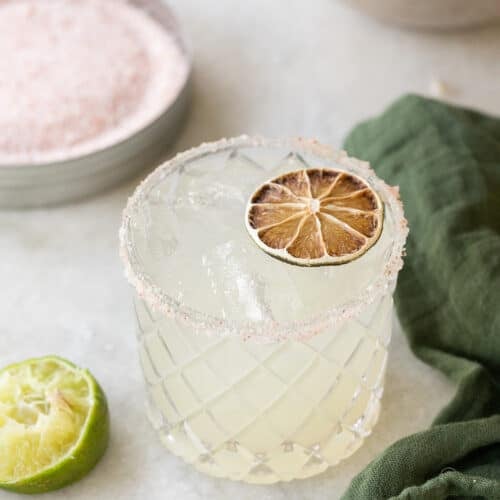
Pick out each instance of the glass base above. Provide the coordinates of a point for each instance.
(289, 461)
(263, 413)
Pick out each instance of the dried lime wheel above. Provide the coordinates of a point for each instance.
(316, 216)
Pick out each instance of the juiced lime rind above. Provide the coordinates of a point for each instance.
(86, 452)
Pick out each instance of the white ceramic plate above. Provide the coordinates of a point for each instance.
(431, 14)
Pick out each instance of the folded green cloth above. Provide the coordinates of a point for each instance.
(446, 161)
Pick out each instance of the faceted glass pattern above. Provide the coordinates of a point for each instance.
(257, 370)
(264, 412)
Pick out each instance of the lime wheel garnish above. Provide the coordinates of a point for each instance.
(316, 216)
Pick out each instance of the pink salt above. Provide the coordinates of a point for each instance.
(77, 76)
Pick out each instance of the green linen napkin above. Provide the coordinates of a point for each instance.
(446, 161)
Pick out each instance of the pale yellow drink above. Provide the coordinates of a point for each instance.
(256, 369)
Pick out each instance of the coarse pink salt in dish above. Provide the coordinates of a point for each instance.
(82, 75)
(90, 91)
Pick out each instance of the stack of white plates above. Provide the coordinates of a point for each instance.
(32, 185)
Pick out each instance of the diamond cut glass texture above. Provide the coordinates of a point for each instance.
(294, 407)
(256, 370)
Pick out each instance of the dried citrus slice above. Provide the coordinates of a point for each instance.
(317, 216)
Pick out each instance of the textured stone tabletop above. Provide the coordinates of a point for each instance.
(286, 67)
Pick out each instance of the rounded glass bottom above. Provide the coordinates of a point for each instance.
(264, 413)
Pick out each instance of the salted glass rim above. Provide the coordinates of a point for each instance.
(266, 330)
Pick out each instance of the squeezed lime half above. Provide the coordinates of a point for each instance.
(54, 424)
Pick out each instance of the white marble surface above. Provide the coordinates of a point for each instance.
(277, 68)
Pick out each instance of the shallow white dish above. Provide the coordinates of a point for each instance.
(41, 184)
(431, 14)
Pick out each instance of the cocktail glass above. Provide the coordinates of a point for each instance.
(256, 369)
